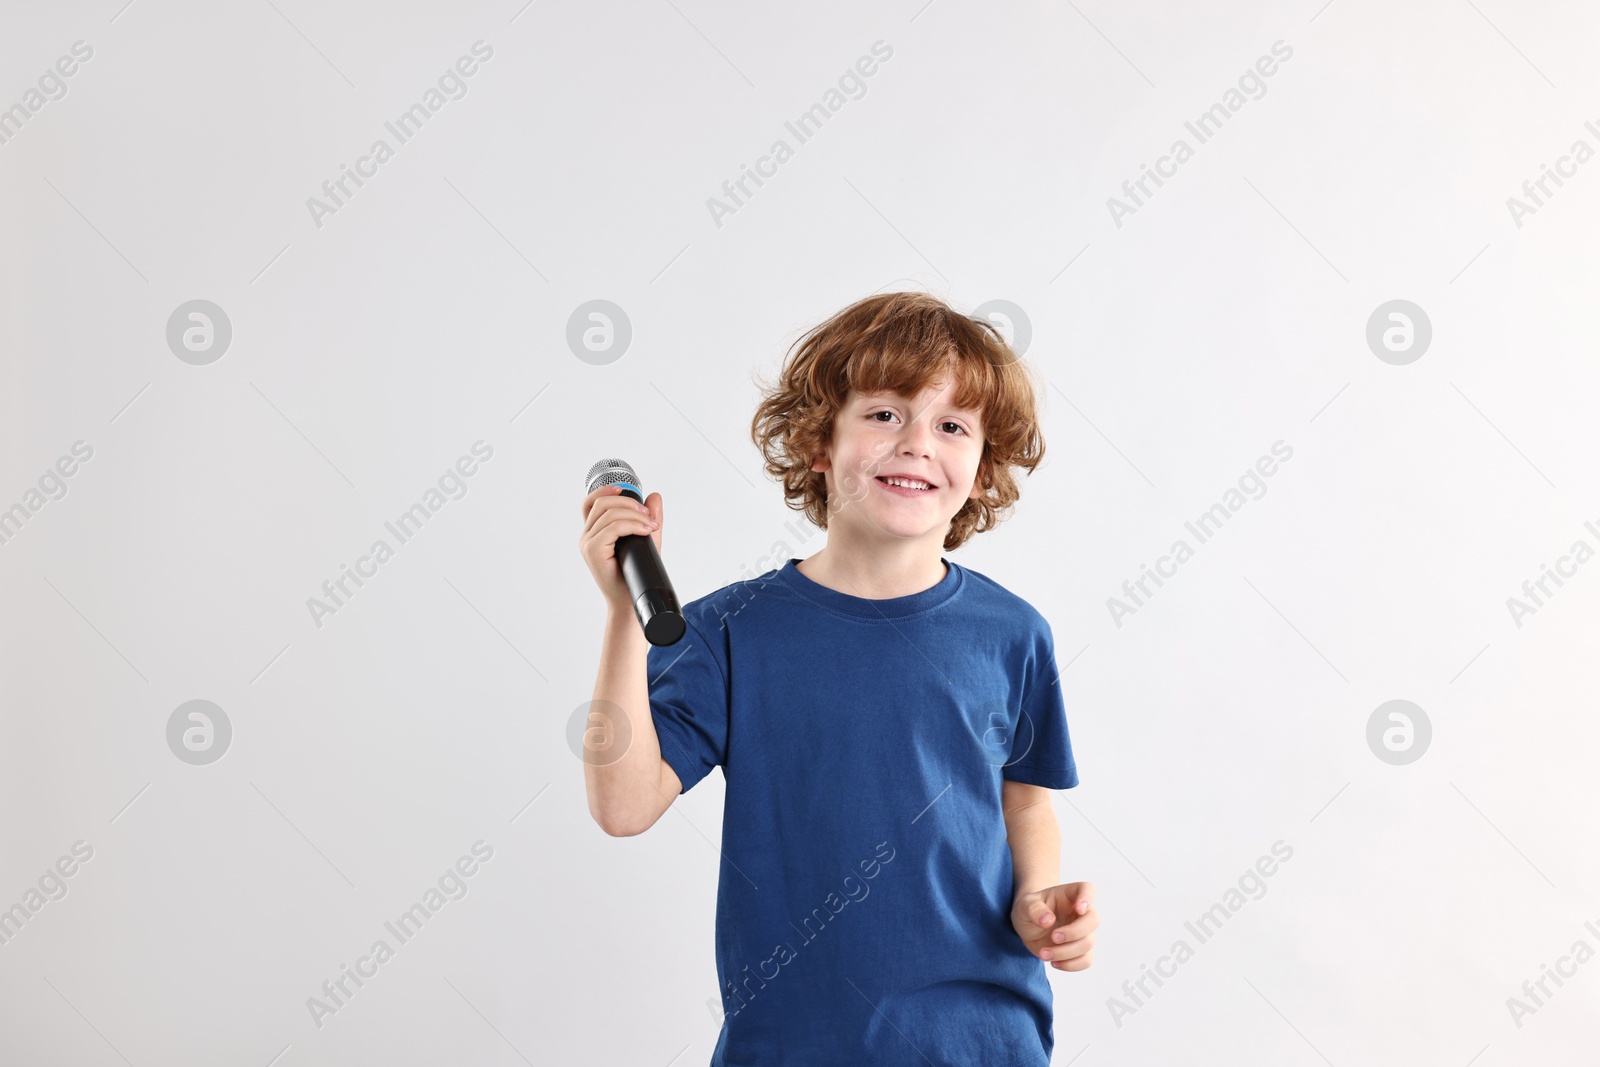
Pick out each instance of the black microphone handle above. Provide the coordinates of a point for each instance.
(653, 598)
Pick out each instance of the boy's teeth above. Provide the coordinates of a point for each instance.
(907, 484)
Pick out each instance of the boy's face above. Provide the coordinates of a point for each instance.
(923, 438)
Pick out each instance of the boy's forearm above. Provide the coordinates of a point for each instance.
(626, 790)
(1035, 840)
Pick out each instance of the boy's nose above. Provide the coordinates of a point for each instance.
(917, 440)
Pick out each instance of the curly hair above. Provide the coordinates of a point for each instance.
(901, 342)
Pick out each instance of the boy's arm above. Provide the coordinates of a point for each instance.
(628, 794)
(628, 783)
(1033, 834)
(1056, 921)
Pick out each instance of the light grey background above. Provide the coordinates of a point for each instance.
(430, 312)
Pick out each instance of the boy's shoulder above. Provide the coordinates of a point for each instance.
(992, 608)
(992, 593)
(712, 613)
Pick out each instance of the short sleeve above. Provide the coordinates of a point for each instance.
(1041, 749)
(689, 705)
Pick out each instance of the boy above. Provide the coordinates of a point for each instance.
(888, 722)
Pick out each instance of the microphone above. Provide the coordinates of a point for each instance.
(653, 599)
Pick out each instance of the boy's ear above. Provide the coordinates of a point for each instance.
(821, 461)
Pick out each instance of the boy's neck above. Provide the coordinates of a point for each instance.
(876, 574)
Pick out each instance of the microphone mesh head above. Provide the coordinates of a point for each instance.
(610, 472)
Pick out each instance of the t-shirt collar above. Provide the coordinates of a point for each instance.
(861, 607)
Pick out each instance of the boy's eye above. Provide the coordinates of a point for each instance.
(948, 426)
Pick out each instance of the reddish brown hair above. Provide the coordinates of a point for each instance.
(901, 342)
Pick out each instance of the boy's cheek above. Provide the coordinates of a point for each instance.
(879, 457)
(852, 487)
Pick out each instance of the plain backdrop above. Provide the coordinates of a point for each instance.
(372, 346)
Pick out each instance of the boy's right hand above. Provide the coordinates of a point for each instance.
(608, 515)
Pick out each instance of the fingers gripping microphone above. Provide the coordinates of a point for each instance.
(653, 599)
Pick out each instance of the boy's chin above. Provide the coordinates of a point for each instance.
(904, 533)
(890, 529)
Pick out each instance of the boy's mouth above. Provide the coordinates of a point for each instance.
(905, 486)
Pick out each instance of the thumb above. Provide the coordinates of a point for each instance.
(1082, 897)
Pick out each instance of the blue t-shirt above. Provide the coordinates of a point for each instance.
(864, 897)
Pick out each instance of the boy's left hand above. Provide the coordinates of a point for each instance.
(1058, 924)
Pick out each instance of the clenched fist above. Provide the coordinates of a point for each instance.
(608, 515)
